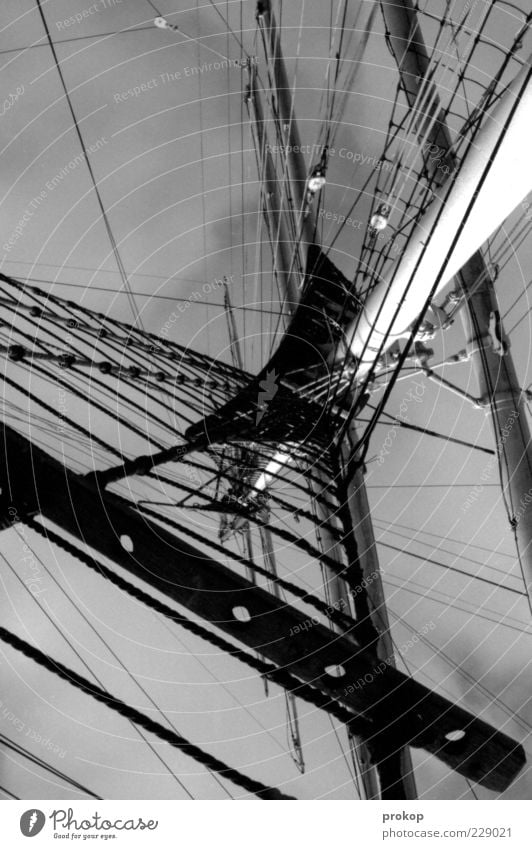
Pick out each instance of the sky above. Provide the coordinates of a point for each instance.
(167, 137)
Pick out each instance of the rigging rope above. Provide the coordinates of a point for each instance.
(457, 667)
(20, 750)
(280, 676)
(451, 568)
(450, 602)
(9, 793)
(103, 212)
(350, 625)
(51, 619)
(177, 740)
(457, 89)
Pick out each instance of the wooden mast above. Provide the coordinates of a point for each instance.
(339, 593)
(391, 705)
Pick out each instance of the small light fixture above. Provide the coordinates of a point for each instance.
(379, 219)
(162, 23)
(316, 181)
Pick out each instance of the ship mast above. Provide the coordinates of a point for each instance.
(315, 663)
(358, 513)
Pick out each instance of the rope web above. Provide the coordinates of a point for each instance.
(93, 391)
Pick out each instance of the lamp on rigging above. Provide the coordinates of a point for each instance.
(316, 181)
(162, 23)
(379, 219)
